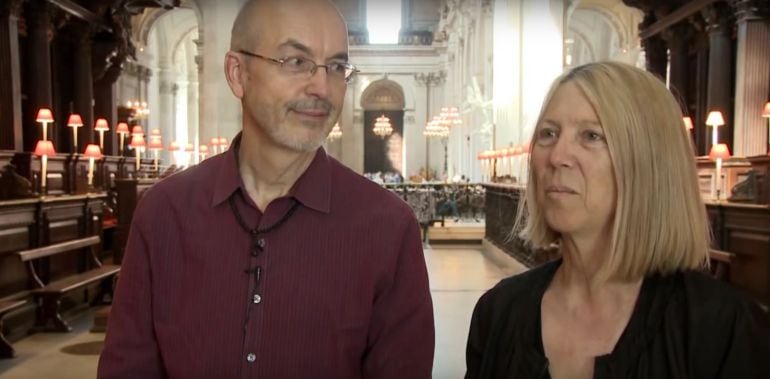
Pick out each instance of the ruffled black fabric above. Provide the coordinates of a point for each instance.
(684, 325)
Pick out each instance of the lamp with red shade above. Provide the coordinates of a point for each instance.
(122, 130)
(687, 122)
(223, 144)
(45, 117)
(137, 131)
(101, 127)
(214, 145)
(43, 149)
(156, 146)
(714, 120)
(189, 149)
(173, 148)
(92, 152)
(719, 152)
(204, 151)
(137, 143)
(75, 122)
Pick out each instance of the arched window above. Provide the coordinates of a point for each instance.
(383, 21)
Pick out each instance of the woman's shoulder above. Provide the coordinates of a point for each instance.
(525, 285)
(707, 295)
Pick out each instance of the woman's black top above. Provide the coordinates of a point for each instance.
(684, 325)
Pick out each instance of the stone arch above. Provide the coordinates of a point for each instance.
(591, 30)
(383, 97)
(383, 94)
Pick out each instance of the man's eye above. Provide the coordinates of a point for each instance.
(295, 62)
(338, 68)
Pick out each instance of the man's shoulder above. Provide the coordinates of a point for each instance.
(178, 186)
(356, 190)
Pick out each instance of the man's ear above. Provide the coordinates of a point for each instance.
(234, 73)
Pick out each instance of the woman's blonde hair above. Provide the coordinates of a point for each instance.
(660, 223)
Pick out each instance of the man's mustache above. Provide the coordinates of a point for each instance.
(314, 104)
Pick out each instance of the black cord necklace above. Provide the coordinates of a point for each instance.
(256, 232)
(257, 243)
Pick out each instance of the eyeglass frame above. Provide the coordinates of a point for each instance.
(312, 71)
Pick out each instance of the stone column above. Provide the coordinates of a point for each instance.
(165, 109)
(720, 71)
(678, 38)
(37, 14)
(83, 96)
(752, 77)
(10, 86)
(654, 49)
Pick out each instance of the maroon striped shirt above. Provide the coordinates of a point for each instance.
(342, 289)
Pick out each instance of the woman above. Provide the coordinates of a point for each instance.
(613, 186)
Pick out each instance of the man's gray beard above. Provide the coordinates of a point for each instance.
(281, 137)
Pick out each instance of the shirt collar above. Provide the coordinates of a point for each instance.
(313, 188)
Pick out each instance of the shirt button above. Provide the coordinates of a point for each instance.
(251, 357)
(261, 243)
(257, 299)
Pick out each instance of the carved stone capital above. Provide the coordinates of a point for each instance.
(10, 8)
(678, 35)
(717, 18)
(430, 78)
(751, 10)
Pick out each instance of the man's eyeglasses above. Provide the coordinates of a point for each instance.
(300, 65)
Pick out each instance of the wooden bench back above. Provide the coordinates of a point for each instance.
(45, 251)
(30, 255)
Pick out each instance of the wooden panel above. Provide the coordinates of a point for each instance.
(744, 230)
(16, 220)
(17, 232)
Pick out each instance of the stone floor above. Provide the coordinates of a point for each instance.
(458, 276)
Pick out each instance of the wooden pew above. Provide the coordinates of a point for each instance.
(720, 264)
(129, 191)
(48, 295)
(6, 350)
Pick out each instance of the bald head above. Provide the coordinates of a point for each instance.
(258, 16)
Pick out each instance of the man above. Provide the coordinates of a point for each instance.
(273, 260)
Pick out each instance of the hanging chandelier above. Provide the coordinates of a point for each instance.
(336, 132)
(450, 116)
(382, 127)
(140, 108)
(436, 128)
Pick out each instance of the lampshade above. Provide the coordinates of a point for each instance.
(766, 111)
(122, 128)
(687, 122)
(189, 148)
(44, 115)
(173, 146)
(137, 140)
(518, 150)
(101, 124)
(719, 150)
(715, 118)
(155, 144)
(137, 131)
(93, 151)
(44, 148)
(215, 141)
(75, 121)
(204, 149)
(155, 133)
(223, 142)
